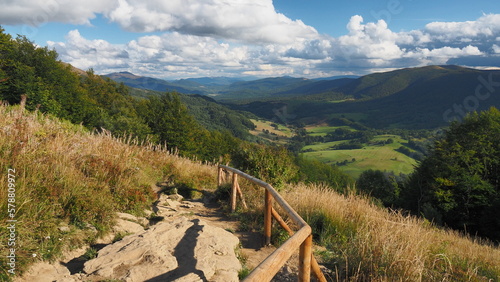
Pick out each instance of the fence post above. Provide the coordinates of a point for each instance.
(305, 256)
(268, 217)
(219, 176)
(233, 192)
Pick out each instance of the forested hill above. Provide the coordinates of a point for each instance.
(416, 98)
(426, 97)
(205, 129)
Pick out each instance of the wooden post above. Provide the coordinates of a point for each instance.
(280, 220)
(267, 269)
(240, 194)
(268, 217)
(233, 192)
(305, 260)
(219, 176)
(316, 270)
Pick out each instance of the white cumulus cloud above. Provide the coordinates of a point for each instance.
(245, 20)
(251, 21)
(233, 37)
(85, 54)
(486, 26)
(39, 12)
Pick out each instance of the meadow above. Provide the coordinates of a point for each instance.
(273, 132)
(373, 155)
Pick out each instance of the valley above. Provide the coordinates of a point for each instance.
(281, 108)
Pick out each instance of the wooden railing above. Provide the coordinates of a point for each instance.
(301, 239)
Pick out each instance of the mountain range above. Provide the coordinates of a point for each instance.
(228, 88)
(423, 97)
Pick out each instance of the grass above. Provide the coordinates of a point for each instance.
(67, 176)
(323, 130)
(371, 156)
(278, 135)
(366, 242)
(361, 241)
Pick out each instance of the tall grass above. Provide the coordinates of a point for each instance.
(365, 242)
(67, 176)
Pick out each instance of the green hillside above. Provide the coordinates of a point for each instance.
(417, 98)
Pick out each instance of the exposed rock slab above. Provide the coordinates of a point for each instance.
(181, 250)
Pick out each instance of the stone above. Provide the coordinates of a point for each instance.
(44, 271)
(64, 229)
(180, 250)
(176, 197)
(126, 226)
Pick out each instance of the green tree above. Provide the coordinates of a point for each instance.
(274, 165)
(169, 119)
(378, 185)
(314, 171)
(458, 183)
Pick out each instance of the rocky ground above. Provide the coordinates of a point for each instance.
(190, 241)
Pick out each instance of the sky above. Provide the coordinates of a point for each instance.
(173, 39)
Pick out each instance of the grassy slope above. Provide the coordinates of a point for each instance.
(382, 157)
(283, 132)
(65, 175)
(367, 243)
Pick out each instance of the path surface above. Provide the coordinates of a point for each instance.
(193, 214)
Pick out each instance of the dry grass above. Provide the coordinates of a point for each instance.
(66, 176)
(368, 243)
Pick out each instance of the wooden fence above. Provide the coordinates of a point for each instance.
(301, 239)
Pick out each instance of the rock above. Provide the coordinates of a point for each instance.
(181, 250)
(140, 220)
(176, 197)
(44, 271)
(126, 226)
(64, 229)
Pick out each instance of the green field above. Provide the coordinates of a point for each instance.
(371, 156)
(279, 135)
(324, 130)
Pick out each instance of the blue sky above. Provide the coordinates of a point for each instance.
(174, 39)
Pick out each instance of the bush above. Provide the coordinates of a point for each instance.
(274, 165)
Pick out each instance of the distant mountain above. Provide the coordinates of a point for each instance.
(211, 81)
(424, 97)
(143, 82)
(222, 88)
(261, 88)
(317, 87)
(379, 85)
(337, 77)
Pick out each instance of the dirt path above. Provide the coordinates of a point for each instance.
(252, 243)
(252, 251)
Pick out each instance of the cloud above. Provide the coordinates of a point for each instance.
(370, 41)
(487, 26)
(496, 49)
(245, 20)
(168, 55)
(39, 12)
(250, 21)
(84, 54)
(243, 37)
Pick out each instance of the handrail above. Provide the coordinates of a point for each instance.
(301, 239)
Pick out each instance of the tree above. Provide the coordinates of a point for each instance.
(274, 165)
(378, 185)
(169, 119)
(458, 183)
